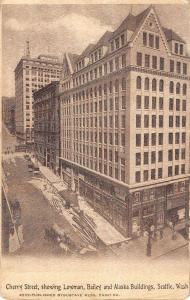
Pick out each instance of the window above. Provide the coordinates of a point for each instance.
(181, 49)
(139, 59)
(146, 102)
(183, 169)
(153, 157)
(183, 137)
(123, 102)
(170, 121)
(123, 139)
(170, 155)
(144, 38)
(146, 139)
(117, 43)
(154, 85)
(105, 69)
(184, 105)
(177, 121)
(178, 67)
(138, 82)
(146, 160)
(112, 46)
(171, 65)
(160, 156)
(176, 154)
(122, 40)
(123, 121)
(184, 89)
(184, 68)
(177, 137)
(110, 87)
(146, 85)
(178, 88)
(146, 175)
(111, 66)
(170, 138)
(123, 60)
(154, 62)
(178, 104)
(153, 138)
(171, 104)
(176, 48)
(159, 172)
(138, 159)
(160, 138)
(161, 63)
(138, 140)
(147, 60)
(116, 85)
(146, 121)
(169, 171)
(138, 121)
(151, 40)
(153, 174)
(157, 42)
(153, 102)
(171, 87)
(154, 121)
(183, 121)
(161, 85)
(161, 103)
(161, 121)
(176, 170)
(138, 176)
(123, 84)
(117, 63)
(138, 102)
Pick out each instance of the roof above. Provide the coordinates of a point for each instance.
(103, 40)
(73, 58)
(86, 51)
(172, 35)
(51, 85)
(131, 22)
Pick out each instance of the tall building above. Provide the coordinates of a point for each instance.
(31, 74)
(46, 125)
(7, 103)
(124, 118)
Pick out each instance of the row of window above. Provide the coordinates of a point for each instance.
(155, 121)
(151, 40)
(150, 139)
(154, 86)
(151, 175)
(178, 103)
(151, 157)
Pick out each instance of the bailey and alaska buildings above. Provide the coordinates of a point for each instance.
(31, 74)
(123, 124)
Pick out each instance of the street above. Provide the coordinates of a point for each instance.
(38, 214)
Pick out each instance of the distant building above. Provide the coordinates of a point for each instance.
(7, 103)
(124, 122)
(46, 125)
(31, 74)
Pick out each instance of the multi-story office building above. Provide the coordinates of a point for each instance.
(124, 118)
(31, 74)
(46, 125)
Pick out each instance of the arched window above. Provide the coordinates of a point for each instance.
(138, 82)
(117, 85)
(100, 90)
(161, 85)
(178, 88)
(123, 84)
(171, 87)
(154, 85)
(146, 84)
(184, 89)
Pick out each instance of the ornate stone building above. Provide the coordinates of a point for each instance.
(124, 121)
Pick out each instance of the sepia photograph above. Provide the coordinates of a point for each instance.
(95, 160)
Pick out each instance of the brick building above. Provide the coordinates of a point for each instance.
(124, 123)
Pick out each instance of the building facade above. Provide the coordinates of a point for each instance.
(46, 125)
(7, 103)
(124, 122)
(31, 74)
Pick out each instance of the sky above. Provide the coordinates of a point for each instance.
(55, 29)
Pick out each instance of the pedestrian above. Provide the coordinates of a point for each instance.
(161, 233)
(149, 248)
